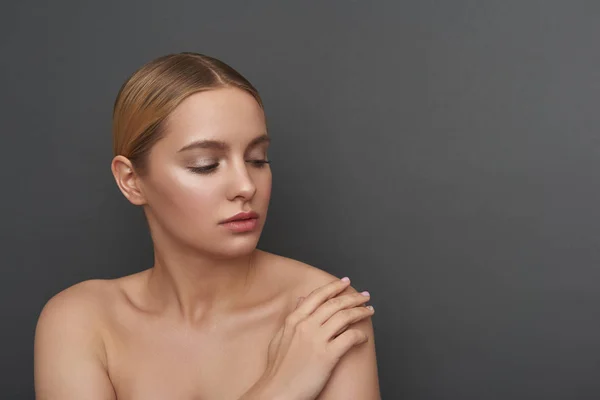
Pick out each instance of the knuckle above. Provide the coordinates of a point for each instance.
(335, 302)
(291, 320)
(356, 335)
(364, 310)
(358, 312)
(362, 337)
(303, 327)
(352, 313)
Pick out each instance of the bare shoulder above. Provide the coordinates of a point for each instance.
(77, 311)
(82, 301)
(356, 375)
(298, 277)
(85, 309)
(69, 354)
(315, 278)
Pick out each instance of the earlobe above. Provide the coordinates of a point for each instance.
(127, 180)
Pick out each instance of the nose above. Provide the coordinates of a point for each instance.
(240, 182)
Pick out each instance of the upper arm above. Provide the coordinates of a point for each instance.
(68, 360)
(355, 376)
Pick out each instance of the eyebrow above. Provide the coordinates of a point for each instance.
(220, 145)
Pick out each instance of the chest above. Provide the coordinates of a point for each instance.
(150, 360)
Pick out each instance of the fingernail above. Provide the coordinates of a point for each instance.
(370, 308)
(345, 279)
(365, 293)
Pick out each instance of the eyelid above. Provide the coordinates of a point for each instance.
(205, 161)
(209, 169)
(261, 152)
(216, 163)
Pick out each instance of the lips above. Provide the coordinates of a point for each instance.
(241, 217)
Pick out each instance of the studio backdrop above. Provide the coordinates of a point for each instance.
(443, 154)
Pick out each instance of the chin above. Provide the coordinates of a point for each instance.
(235, 247)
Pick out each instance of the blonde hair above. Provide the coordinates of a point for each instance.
(149, 96)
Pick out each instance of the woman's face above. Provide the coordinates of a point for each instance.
(207, 168)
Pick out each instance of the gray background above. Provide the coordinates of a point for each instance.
(444, 155)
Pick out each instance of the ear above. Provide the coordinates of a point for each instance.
(127, 180)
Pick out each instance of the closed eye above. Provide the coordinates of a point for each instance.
(259, 163)
(211, 168)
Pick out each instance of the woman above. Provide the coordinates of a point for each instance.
(215, 317)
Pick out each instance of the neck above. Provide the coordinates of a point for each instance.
(197, 286)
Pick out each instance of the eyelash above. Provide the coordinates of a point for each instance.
(211, 168)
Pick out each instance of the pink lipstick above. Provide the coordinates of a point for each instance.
(241, 222)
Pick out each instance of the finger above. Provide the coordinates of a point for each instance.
(333, 305)
(300, 299)
(319, 296)
(343, 319)
(345, 341)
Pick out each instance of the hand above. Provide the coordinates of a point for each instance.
(314, 337)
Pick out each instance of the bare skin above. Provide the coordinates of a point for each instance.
(134, 352)
(197, 325)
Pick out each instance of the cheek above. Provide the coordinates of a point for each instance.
(187, 197)
(263, 186)
(198, 198)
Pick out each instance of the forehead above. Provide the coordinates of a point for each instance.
(226, 114)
